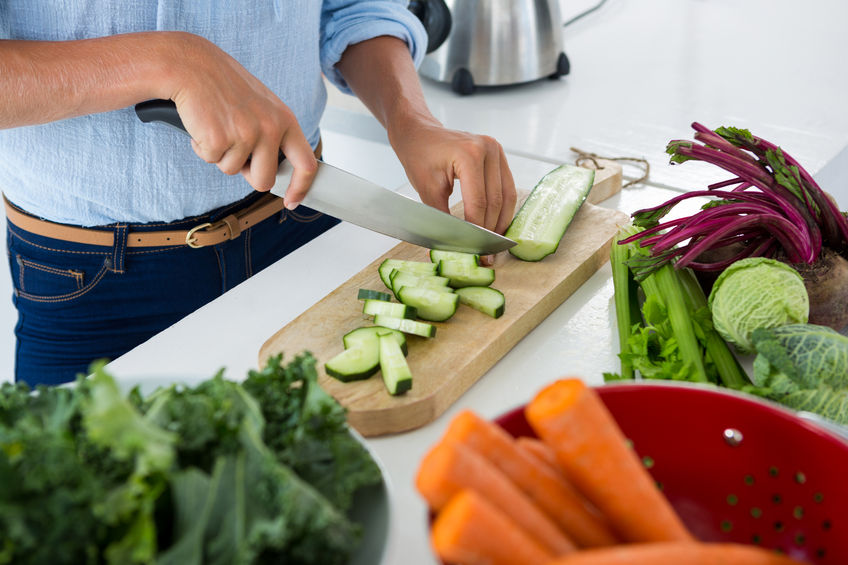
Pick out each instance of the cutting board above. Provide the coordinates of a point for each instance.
(469, 343)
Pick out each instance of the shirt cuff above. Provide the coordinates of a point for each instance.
(341, 31)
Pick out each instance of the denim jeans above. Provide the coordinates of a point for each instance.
(78, 303)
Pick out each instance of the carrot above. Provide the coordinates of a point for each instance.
(547, 488)
(540, 450)
(687, 553)
(450, 467)
(594, 454)
(472, 531)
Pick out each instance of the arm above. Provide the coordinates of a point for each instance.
(229, 113)
(381, 73)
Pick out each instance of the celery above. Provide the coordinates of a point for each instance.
(626, 299)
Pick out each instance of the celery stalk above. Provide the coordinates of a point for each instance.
(625, 295)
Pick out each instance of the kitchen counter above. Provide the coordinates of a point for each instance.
(641, 73)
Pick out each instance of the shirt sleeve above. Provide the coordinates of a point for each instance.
(345, 22)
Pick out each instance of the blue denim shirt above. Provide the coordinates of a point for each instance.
(109, 167)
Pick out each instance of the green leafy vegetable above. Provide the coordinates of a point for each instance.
(260, 472)
(757, 292)
(803, 366)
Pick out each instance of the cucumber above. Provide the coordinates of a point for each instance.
(407, 326)
(437, 255)
(431, 305)
(367, 294)
(542, 220)
(400, 279)
(367, 336)
(354, 364)
(483, 298)
(396, 374)
(417, 267)
(463, 274)
(394, 309)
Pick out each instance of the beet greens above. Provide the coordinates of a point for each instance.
(773, 208)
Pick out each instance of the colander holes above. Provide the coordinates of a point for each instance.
(800, 478)
(726, 526)
(773, 471)
(798, 512)
(826, 525)
(800, 539)
(776, 499)
(756, 539)
(756, 512)
(778, 526)
(749, 480)
(648, 462)
(818, 498)
(732, 499)
(820, 553)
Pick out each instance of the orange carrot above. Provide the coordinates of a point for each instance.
(450, 467)
(594, 454)
(669, 553)
(547, 488)
(472, 531)
(540, 450)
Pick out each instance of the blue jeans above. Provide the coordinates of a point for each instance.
(78, 303)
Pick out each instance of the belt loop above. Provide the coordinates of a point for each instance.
(119, 249)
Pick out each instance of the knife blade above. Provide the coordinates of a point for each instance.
(366, 204)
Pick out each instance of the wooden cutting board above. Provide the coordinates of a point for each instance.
(468, 344)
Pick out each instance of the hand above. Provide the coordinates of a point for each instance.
(433, 157)
(235, 121)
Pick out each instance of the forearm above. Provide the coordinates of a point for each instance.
(43, 81)
(381, 74)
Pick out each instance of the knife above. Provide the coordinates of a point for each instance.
(359, 201)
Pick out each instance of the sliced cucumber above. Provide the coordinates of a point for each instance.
(367, 294)
(437, 255)
(406, 326)
(354, 364)
(483, 298)
(367, 336)
(431, 304)
(394, 309)
(417, 267)
(542, 220)
(400, 279)
(396, 374)
(463, 274)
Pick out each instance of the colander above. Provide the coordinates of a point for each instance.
(736, 468)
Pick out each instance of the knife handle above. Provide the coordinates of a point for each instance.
(165, 111)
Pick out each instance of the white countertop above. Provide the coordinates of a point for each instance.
(641, 73)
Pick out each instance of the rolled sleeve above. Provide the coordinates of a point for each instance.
(344, 23)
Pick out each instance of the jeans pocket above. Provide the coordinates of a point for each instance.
(40, 281)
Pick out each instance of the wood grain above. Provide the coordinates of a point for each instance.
(468, 344)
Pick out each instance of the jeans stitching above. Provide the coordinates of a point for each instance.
(45, 248)
(71, 295)
(76, 275)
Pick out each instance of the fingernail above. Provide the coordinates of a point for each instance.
(291, 205)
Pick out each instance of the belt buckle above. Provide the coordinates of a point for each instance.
(190, 239)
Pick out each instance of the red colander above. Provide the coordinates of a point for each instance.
(736, 468)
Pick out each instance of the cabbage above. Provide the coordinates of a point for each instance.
(805, 367)
(757, 293)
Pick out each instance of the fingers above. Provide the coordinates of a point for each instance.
(299, 153)
(488, 189)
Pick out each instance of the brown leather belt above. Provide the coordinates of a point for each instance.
(201, 235)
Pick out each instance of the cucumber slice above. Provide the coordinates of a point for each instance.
(542, 220)
(394, 309)
(463, 274)
(396, 374)
(417, 267)
(354, 364)
(437, 255)
(406, 326)
(431, 304)
(400, 279)
(367, 294)
(368, 335)
(483, 298)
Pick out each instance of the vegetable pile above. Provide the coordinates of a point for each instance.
(774, 209)
(258, 472)
(578, 495)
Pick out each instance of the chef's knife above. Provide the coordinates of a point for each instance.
(364, 203)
